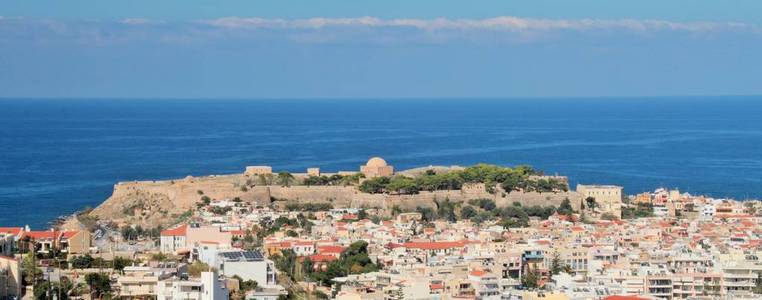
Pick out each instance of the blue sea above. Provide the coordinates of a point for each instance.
(59, 156)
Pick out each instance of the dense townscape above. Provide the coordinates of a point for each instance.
(596, 243)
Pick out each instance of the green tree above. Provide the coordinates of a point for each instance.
(158, 257)
(120, 263)
(446, 210)
(467, 212)
(362, 214)
(82, 261)
(556, 266)
(307, 265)
(530, 280)
(565, 208)
(48, 290)
(128, 233)
(99, 284)
(353, 260)
(286, 262)
(285, 178)
(402, 185)
(30, 272)
(609, 217)
(591, 204)
(246, 285)
(428, 214)
(513, 216)
(485, 204)
(195, 269)
(396, 210)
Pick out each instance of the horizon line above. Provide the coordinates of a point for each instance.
(364, 98)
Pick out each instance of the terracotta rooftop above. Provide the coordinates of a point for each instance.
(433, 245)
(179, 231)
(11, 230)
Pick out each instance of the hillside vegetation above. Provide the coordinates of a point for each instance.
(520, 178)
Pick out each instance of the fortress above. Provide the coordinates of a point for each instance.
(159, 202)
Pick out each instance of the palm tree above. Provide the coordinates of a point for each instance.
(285, 178)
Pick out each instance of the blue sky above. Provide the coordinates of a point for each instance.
(373, 49)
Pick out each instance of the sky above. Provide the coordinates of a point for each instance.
(379, 49)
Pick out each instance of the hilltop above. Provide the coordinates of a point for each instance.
(376, 185)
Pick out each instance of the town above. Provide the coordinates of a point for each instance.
(480, 232)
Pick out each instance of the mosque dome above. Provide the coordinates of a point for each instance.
(376, 162)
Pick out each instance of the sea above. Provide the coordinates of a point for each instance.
(59, 156)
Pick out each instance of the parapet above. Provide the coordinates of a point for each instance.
(258, 170)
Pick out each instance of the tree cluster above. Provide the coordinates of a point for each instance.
(510, 179)
(354, 260)
(481, 210)
(296, 206)
(220, 211)
(335, 179)
(639, 211)
(130, 233)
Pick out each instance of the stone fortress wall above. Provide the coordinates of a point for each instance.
(184, 195)
(162, 199)
(351, 197)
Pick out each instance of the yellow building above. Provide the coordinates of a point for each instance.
(258, 170)
(376, 167)
(607, 197)
(643, 198)
(313, 172)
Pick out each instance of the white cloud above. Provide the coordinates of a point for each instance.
(140, 21)
(505, 23)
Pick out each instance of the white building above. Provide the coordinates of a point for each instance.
(304, 248)
(209, 287)
(173, 240)
(660, 211)
(249, 265)
(183, 238)
(708, 211)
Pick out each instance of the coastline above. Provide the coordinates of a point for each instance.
(228, 186)
(641, 144)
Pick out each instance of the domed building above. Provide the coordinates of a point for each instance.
(376, 167)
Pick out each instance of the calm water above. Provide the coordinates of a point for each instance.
(58, 156)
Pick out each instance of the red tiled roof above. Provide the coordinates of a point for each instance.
(68, 234)
(11, 230)
(393, 245)
(433, 245)
(282, 245)
(179, 231)
(478, 273)
(330, 249)
(41, 235)
(436, 286)
(322, 258)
